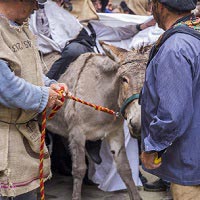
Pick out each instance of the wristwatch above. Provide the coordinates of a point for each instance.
(138, 27)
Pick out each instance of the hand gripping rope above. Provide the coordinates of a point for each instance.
(43, 132)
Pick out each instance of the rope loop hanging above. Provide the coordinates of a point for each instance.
(43, 131)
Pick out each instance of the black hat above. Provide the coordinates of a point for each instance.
(182, 5)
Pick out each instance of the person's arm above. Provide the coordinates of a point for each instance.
(48, 81)
(15, 92)
(173, 88)
(170, 83)
(145, 25)
(108, 33)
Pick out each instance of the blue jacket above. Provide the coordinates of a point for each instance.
(171, 109)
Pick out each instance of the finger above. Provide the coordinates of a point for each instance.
(152, 165)
(51, 104)
(65, 88)
(55, 86)
(59, 95)
(59, 103)
(66, 91)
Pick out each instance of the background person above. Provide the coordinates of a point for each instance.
(54, 35)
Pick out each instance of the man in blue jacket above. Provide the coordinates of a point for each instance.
(170, 100)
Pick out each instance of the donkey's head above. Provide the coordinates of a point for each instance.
(131, 75)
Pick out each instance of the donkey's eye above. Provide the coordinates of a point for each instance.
(124, 80)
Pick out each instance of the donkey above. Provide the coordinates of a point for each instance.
(108, 81)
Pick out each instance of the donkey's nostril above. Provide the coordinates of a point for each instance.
(134, 127)
(113, 152)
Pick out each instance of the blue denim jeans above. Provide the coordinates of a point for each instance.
(27, 196)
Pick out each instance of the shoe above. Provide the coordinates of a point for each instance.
(168, 196)
(93, 150)
(157, 186)
(142, 178)
(87, 181)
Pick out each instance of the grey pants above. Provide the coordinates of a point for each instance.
(27, 196)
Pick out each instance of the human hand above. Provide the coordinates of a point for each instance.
(58, 86)
(148, 160)
(145, 25)
(55, 96)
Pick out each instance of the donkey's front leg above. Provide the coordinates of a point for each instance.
(77, 147)
(117, 146)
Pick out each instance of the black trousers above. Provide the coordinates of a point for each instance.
(70, 52)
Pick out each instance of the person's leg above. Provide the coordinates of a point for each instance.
(180, 192)
(93, 150)
(61, 157)
(69, 54)
(27, 196)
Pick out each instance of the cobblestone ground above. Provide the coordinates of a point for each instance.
(60, 188)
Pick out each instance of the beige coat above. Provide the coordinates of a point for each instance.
(84, 10)
(20, 137)
(139, 7)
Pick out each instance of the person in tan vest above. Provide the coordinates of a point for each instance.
(24, 93)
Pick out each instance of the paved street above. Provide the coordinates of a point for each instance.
(60, 188)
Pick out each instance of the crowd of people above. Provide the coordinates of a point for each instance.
(169, 98)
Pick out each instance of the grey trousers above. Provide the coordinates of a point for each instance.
(27, 196)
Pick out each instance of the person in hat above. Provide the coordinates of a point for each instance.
(170, 100)
(24, 93)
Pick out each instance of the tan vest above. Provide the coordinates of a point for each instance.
(20, 142)
(139, 7)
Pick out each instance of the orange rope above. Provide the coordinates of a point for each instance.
(96, 107)
(53, 112)
(56, 108)
(41, 173)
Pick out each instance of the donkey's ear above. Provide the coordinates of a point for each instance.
(115, 53)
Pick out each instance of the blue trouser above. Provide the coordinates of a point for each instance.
(27, 196)
(82, 44)
(68, 55)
